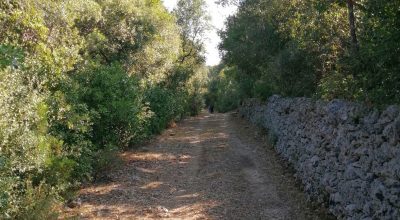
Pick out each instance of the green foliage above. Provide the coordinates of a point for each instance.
(165, 107)
(37, 203)
(106, 160)
(9, 55)
(18, 114)
(337, 85)
(193, 20)
(290, 74)
(114, 101)
(225, 93)
(79, 82)
(306, 48)
(377, 65)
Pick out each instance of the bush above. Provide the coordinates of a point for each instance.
(165, 105)
(26, 149)
(78, 83)
(114, 101)
(225, 93)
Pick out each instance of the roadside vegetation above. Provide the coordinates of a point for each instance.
(322, 49)
(81, 80)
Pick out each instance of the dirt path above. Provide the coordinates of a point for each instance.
(208, 167)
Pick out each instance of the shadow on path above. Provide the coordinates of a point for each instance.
(208, 167)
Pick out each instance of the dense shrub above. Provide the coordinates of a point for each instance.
(22, 124)
(165, 107)
(114, 100)
(322, 49)
(80, 81)
(224, 92)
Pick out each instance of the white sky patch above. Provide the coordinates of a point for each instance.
(218, 16)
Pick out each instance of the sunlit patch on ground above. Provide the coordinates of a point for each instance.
(144, 170)
(195, 142)
(194, 211)
(194, 195)
(152, 185)
(147, 156)
(200, 169)
(100, 190)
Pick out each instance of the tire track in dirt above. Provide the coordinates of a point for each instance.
(208, 167)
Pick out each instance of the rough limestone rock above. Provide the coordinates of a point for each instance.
(345, 154)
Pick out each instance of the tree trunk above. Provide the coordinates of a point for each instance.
(352, 23)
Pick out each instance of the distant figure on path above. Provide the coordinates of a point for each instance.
(211, 108)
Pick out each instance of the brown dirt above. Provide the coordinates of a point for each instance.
(207, 167)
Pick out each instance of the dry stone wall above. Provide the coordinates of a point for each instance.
(344, 153)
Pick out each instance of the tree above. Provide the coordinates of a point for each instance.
(352, 23)
(193, 20)
(229, 2)
(328, 49)
(79, 81)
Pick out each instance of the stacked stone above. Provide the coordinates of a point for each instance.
(345, 154)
